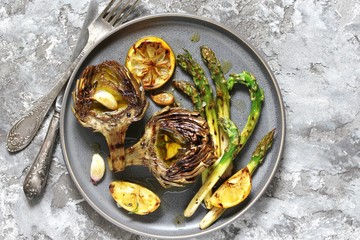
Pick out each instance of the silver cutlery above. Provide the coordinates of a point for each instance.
(112, 16)
(24, 130)
(37, 176)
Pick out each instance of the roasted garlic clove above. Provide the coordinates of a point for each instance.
(106, 99)
(163, 98)
(97, 168)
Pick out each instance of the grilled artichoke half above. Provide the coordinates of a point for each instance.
(108, 99)
(176, 147)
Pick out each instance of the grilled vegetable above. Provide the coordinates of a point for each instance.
(237, 188)
(176, 147)
(134, 198)
(236, 141)
(108, 99)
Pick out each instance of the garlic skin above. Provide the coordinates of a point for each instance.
(97, 168)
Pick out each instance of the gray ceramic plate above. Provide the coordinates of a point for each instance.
(178, 30)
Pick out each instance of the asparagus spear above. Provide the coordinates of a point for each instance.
(237, 185)
(234, 147)
(222, 103)
(222, 93)
(191, 91)
(245, 78)
(261, 149)
(187, 63)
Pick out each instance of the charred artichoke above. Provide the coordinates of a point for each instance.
(108, 99)
(176, 147)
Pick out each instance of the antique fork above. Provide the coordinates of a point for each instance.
(24, 130)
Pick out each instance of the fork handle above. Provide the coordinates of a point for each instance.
(37, 176)
(24, 130)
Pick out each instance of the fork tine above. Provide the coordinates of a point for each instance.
(128, 12)
(123, 13)
(118, 10)
(104, 12)
(113, 10)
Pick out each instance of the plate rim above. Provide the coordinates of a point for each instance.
(281, 137)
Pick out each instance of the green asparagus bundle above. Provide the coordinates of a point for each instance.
(238, 187)
(230, 141)
(234, 147)
(222, 100)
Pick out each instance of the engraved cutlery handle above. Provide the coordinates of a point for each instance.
(36, 178)
(24, 130)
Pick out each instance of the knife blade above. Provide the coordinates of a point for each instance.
(36, 178)
(24, 130)
(84, 33)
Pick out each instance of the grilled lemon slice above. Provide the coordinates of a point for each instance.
(151, 61)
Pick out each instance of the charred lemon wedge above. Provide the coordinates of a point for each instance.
(133, 197)
(151, 61)
(233, 191)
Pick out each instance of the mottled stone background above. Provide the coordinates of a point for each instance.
(312, 46)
